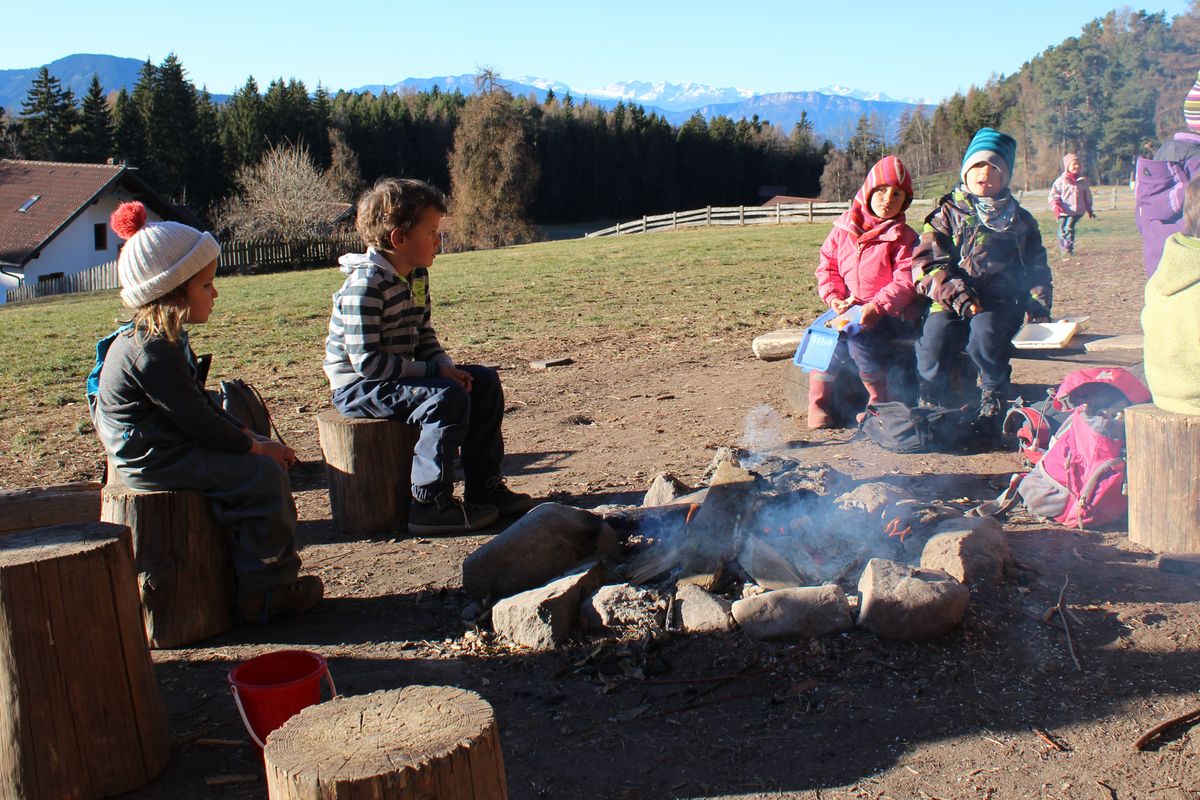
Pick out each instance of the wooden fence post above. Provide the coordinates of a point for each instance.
(643, 223)
(1113, 205)
(810, 211)
(674, 218)
(741, 215)
(708, 216)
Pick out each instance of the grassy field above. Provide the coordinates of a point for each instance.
(631, 291)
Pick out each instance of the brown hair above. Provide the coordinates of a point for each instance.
(1191, 209)
(394, 204)
(163, 316)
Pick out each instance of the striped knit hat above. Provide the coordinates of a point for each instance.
(888, 171)
(1191, 107)
(993, 147)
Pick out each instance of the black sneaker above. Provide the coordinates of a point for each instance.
(495, 493)
(259, 608)
(450, 515)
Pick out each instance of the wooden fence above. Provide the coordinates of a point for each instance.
(737, 215)
(237, 257)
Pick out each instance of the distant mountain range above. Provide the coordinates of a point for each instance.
(833, 110)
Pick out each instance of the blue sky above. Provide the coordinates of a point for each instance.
(916, 49)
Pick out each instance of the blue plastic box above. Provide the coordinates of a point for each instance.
(820, 340)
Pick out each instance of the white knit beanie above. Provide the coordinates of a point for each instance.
(157, 256)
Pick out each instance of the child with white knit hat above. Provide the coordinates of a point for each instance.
(163, 432)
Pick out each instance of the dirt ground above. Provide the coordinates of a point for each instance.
(849, 716)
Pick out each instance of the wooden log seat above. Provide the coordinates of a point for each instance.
(1163, 455)
(369, 464)
(184, 564)
(403, 744)
(82, 715)
(39, 506)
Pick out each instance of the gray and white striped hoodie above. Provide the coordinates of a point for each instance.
(380, 326)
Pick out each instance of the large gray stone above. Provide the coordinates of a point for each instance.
(619, 606)
(548, 541)
(904, 602)
(701, 611)
(973, 550)
(543, 618)
(805, 612)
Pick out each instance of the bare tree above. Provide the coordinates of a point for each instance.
(343, 176)
(282, 196)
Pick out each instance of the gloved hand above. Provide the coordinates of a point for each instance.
(954, 295)
(1037, 308)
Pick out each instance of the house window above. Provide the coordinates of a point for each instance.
(100, 231)
(28, 204)
(49, 276)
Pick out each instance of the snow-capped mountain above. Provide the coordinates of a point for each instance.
(669, 96)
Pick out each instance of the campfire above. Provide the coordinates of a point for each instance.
(767, 545)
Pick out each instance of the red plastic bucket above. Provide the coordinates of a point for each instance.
(271, 688)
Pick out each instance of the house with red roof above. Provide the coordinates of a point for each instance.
(54, 217)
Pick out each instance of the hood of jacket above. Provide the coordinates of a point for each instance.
(355, 261)
(1179, 269)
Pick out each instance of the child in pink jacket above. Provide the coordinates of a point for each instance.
(867, 260)
(1069, 199)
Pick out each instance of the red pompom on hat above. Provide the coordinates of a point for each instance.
(128, 219)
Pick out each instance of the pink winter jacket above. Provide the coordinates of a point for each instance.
(877, 269)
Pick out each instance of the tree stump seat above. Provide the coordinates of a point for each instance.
(369, 465)
(1163, 458)
(42, 506)
(403, 744)
(185, 575)
(82, 715)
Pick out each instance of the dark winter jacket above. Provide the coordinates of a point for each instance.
(996, 266)
(149, 408)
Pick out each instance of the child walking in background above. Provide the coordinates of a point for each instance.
(1171, 316)
(384, 361)
(161, 430)
(982, 264)
(1070, 198)
(867, 260)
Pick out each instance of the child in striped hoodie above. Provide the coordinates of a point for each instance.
(384, 361)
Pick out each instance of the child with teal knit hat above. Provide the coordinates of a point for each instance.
(982, 265)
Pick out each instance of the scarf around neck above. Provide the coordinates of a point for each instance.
(996, 213)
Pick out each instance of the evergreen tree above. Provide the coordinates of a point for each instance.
(49, 115)
(96, 125)
(242, 127)
(129, 134)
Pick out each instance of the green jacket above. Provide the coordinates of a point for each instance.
(1171, 324)
(996, 265)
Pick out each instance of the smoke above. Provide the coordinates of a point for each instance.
(763, 432)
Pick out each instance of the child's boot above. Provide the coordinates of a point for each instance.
(259, 608)
(493, 492)
(991, 415)
(877, 390)
(820, 401)
(447, 514)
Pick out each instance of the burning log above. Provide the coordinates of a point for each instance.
(713, 534)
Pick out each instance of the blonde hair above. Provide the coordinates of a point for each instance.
(1191, 209)
(394, 204)
(163, 316)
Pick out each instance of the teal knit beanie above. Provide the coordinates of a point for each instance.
(987, 145)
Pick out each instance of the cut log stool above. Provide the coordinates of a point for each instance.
(82, 715)
(37, 507)
(369, 466)
(1163, 456)
(184, 563)
(402, 744)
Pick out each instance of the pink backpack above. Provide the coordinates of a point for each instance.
(1074, 444)
(1080, 479)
